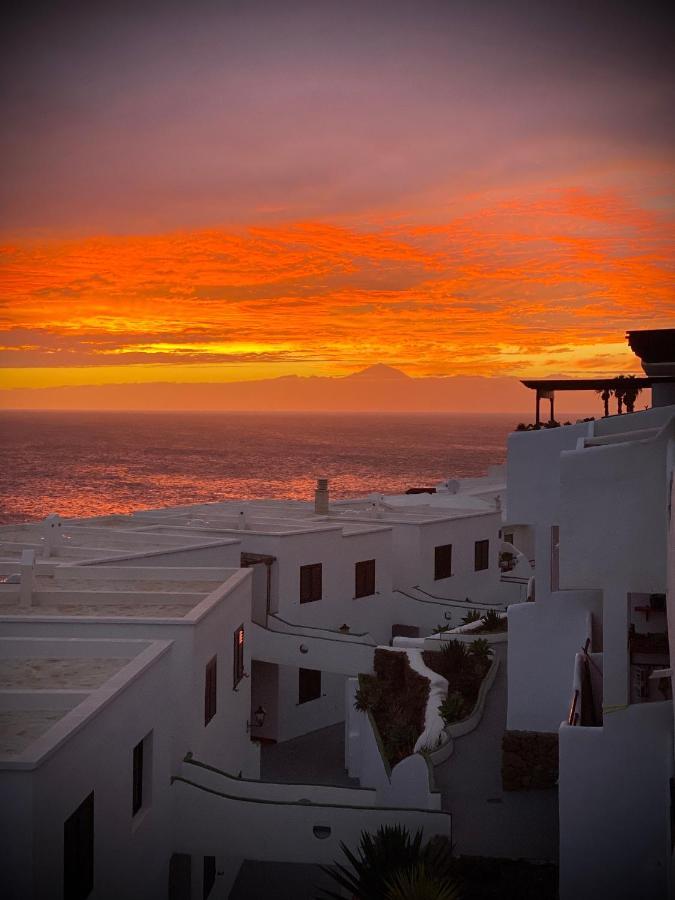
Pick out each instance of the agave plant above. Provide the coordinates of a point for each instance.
(492, 621)
(382, 856)
(472, 616)
(420, 884)
(480, 650)
(452, 709)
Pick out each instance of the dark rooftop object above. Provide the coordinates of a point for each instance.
(653, 346)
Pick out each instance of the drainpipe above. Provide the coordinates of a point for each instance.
(321, 497)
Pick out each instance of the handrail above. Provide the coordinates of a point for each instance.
(573, 715)
(306, 803)
(202, 765)
(319, 637)
(450, 602)
(319, 627)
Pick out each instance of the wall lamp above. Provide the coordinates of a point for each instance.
(258, 718)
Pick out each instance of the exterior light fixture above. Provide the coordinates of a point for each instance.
(259, 717)
(304, 648)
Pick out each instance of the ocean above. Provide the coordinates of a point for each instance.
(89, 463)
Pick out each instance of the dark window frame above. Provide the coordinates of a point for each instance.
(311, 583)
(442, 561)
(238, 657)
(137, 779)
(210, 689)
(309, 685)
(481, 555)
(78, 851)
(208, 875)
(364, 578)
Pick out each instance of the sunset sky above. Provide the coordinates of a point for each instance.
(227, 191)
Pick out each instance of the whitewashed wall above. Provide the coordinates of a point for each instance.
(614, 806)
(130, 855)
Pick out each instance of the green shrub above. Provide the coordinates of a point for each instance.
(454, 654)
(481, 654)
(492, 621)
(452, 709)
(472, 616)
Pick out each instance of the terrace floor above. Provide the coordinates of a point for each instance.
(314, 758)
(487, 821)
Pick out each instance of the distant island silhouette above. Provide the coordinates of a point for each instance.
(377, 388)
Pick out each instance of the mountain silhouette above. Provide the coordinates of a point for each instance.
(380, 371)
(378, 388)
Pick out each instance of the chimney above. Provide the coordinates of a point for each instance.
(321, 497)
(52, 535)
(27, 569)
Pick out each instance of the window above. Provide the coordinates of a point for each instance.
(310, 583)
(141, 779)
(238, 664)
(309, 685)
(137, 779)
(209, 878)
(365, 578)
(508, 537)
(482, 555)
(442, 562)
(210, 689)
(78, 851)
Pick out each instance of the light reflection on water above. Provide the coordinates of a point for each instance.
(95, 463)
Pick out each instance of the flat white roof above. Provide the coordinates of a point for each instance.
(96, 541)
(120, 591)
(50, 688)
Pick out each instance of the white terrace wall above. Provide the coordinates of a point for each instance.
(206, 632)
(224, 555)
(414, 547)
(130, 854)
(543, 641)
(297, 718)
(533, 488)
(236, 823)
(613, 532)
(614, 806)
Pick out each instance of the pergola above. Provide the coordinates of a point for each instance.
(547, 387)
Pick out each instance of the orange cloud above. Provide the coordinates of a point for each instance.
(528, 287)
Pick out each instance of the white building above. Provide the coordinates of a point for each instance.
(170, 631)
(594, 502)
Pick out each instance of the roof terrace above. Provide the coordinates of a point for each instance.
(54, 538)
(49, 687)
(114, 591)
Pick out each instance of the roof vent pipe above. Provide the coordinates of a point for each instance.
(242, 520)
(321, 497)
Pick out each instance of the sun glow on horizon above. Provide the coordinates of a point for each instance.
(549, 292)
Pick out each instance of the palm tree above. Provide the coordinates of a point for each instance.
(605, 394)
(630, 393)
(618, 390)
(382, 856)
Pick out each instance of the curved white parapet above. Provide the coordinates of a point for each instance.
(433, 734)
